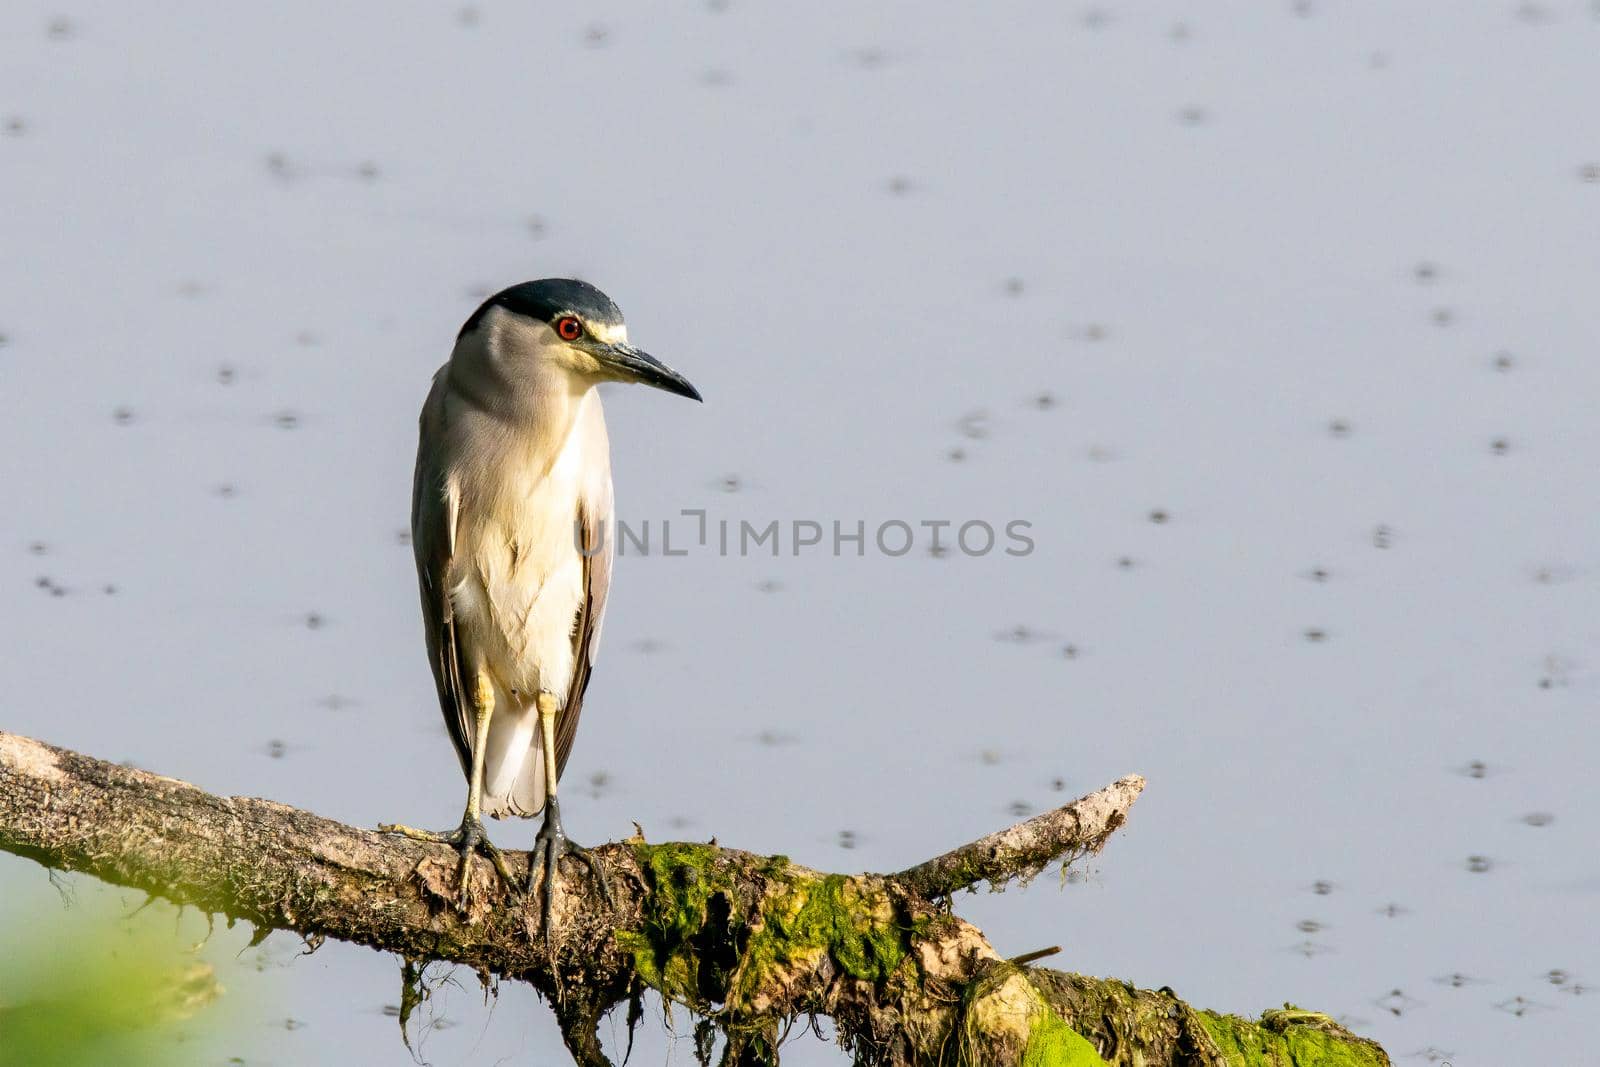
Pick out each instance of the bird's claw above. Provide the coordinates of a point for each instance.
(544, 865)
(466, 839)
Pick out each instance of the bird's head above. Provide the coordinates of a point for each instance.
(570, 325)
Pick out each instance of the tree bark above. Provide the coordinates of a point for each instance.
(747, 943)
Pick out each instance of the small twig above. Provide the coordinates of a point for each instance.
(1022, 851)
(1033, 957)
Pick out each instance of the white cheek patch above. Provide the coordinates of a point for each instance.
(611, 335)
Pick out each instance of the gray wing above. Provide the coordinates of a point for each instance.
(594, 512)
(434, 506)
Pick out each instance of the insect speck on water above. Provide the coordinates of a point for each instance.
(1518, 1006)
(1396, 1002)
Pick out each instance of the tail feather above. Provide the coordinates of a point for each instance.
(513, 767)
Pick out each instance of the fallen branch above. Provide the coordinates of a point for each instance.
(1066, 834)
(746, 942)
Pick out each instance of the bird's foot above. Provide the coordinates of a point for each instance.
(544, 863)
(466, 839)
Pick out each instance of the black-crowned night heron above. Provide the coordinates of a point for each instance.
(510, 517)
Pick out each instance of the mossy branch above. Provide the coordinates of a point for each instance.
(746, 942)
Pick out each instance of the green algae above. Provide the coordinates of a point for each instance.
(729, 937)
(1052, 1043)
(1006, 1019)
(696, 946)
(1289, 1037)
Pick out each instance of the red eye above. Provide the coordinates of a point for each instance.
(569, 328)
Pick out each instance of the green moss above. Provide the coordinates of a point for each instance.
(807, 915)
(1289, 1038)
(1005, 1018)
(1052, 1043)
(696, 947)
(683, 879)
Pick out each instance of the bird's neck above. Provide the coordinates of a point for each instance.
(532, 397)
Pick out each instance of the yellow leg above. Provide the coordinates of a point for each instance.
(483, 710)
(547, 737)
(470, 836)
(552, 842)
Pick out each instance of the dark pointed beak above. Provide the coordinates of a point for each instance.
(633, 365)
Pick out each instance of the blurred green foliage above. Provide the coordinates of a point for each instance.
(90, 985)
